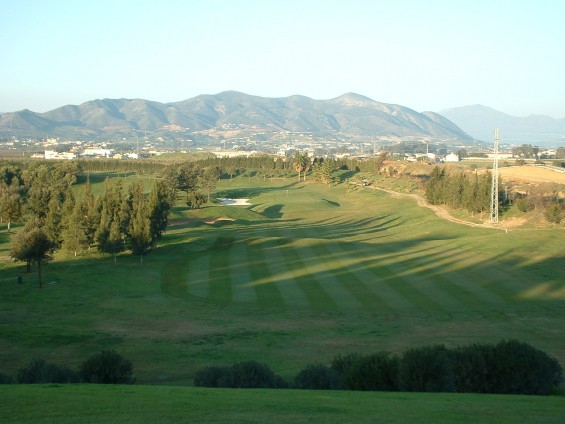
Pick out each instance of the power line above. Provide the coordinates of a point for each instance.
(494, 188)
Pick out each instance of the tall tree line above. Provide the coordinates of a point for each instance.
(459, 190)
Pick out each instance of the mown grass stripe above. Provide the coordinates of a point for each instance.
(317, 265)
(198, 276)
(288, 287)
(317, 297)
(387, 295)
(354, 282)
(267, 292)
(239, 273)
(434, 272)
(220, 289)
(394, 273)
(462, 277)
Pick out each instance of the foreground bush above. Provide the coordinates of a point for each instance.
(5, 378)
(427, 369)
(317, 377)
(249, 374)
(517, 367)
(107, 367)
(378, 371)
(39, 371)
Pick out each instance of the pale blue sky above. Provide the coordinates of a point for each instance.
(426, 55)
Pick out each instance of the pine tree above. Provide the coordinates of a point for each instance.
(159, 205)
(53, 220)
(140, 225)
(74, 234)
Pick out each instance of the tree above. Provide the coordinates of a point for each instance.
(323, 171)
(10, 203)
(32, 245)
(139, 230)
(54, 220)
(553, 213)
(183, 177)
(74, 234)
(160, 203)
(301, 164)
(208, 179)
(111, 232)
(107, 367)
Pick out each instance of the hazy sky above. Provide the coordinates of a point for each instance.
(426, 55)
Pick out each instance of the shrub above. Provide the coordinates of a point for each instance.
(252, 374)
(553, 213)
(378, 371)
(525, 204)
(471, 368)
(427, 369)
(107, 367)
(249, 374)
(39, 371)
(5, 378)
(195, 200)
(518, 368)
(317, 377)
(213, 376)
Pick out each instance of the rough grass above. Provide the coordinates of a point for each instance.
(305, 273)
(79, 404)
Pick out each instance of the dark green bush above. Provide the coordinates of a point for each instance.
(317, 377)
(378, 371)
(343, 365)
(39, 371)
(252, 374)
(427, 369)
(249, 374)
(471, 368)
(107, 367)
(518, 368)
(5, 378)
(213, 376)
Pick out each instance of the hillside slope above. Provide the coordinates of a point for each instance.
(349, 115)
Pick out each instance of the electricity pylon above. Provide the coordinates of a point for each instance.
(494, 188)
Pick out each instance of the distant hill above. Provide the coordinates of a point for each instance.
(480, 121)
(350, 115)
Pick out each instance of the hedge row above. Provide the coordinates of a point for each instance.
(106, 367)
(511, 367)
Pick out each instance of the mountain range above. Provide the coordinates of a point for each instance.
(350, 115)
(480, 121)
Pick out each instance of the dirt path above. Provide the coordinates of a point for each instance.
(439, 211)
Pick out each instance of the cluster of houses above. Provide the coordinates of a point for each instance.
(87, 153)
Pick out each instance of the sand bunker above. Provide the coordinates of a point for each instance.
(235, 202)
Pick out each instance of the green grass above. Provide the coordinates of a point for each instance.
(146, 404)
(303, 274)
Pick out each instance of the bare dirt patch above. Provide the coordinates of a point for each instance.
(525, 174)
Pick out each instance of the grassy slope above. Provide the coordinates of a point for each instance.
(305, 273)
(146, 404)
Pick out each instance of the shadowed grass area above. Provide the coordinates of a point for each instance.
(303, 274)
(78, 404)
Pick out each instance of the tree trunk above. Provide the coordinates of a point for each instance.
(9, 222)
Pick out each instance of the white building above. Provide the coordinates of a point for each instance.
(452, 157)
(52, 154)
